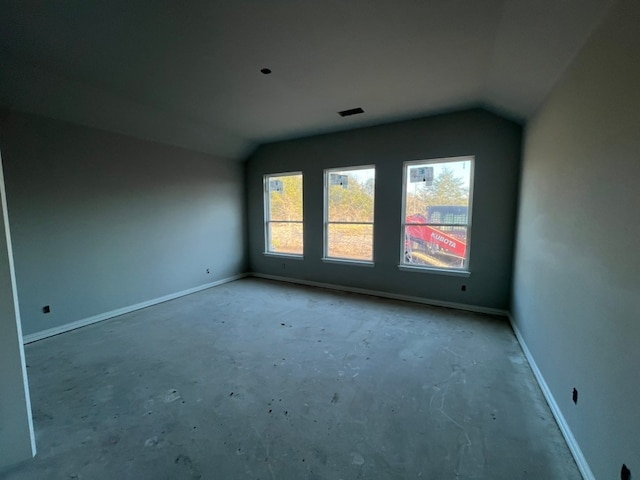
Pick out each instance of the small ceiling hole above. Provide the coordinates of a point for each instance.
(575, 396)
(352, 111)
(625, 473)
(265, 71)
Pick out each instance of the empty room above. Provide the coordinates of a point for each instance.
(320, 240)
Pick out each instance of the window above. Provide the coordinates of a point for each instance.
(283, 213)
(436, 226)
(348, 213)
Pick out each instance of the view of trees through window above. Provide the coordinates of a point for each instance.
(437, 213)
(284, 226)
(436, 205)
(349, 213)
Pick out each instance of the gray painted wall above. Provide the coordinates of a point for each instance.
(494, 141)
(102, 221)
(16, 428)
(576, 285)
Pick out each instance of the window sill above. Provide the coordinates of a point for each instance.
(437, 271)
(290, 256)
(344, 261)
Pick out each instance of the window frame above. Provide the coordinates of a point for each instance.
(325, 224)
(461, 271)
(267, 214)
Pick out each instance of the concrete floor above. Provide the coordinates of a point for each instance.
(264, 380)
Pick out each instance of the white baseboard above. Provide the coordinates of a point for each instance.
(121, 311)
(578, 456)
(394, 296)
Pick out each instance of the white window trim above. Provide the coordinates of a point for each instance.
(464, 271)
(325, 248)
(292, 256)
(349, 261)
(435, 270)
(267, 215)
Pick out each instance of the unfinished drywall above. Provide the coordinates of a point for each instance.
(494, 141)
(576, 295)
(102, 221)
(16, 428)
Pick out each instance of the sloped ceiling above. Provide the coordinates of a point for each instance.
(188, 73)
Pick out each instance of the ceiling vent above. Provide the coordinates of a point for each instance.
(352, 111)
